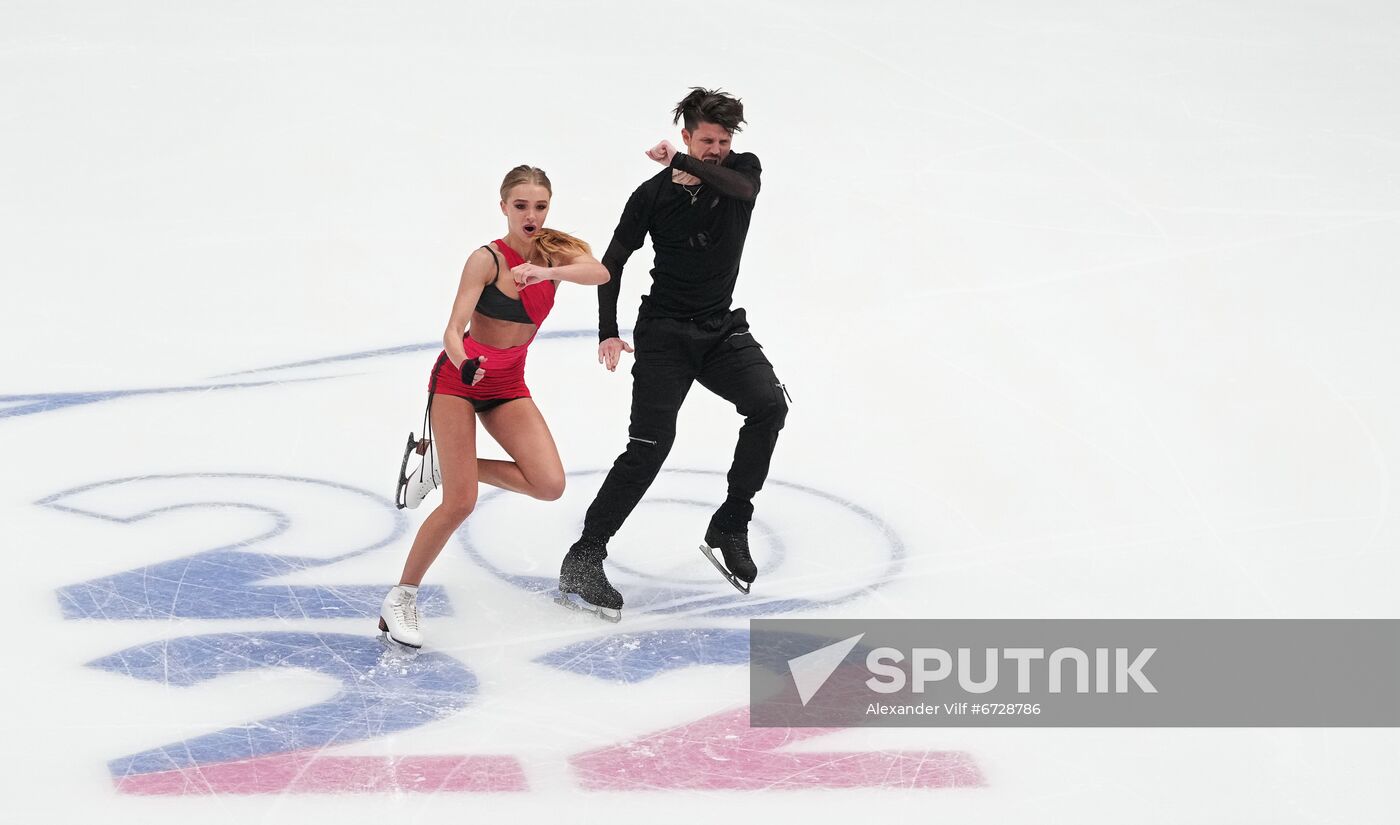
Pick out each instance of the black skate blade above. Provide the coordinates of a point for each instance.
(394, 644)
(577, 603)
(399, 500)
(399, 646)
(395, 653)
(739, 584)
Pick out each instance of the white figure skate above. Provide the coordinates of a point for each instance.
(398, 617)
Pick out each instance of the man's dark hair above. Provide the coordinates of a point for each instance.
(710, 106)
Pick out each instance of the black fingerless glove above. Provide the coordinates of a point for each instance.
(469, 368)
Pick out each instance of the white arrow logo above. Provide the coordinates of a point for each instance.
(811, 670)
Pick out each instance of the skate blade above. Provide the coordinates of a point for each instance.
(575, 602)
(399, 500)
(396, 647)
(739, 584)
(395, 644)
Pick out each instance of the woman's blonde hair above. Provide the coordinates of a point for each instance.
(551, 245)
(525, 174)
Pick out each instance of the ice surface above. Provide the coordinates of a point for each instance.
(1088, 310)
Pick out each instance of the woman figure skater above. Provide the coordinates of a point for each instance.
(507, 289)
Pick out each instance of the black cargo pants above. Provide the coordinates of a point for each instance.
(671, 354)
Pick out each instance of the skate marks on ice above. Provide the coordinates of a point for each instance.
(814, 549)
(262, 526)
(632, 657)
(259, 526)
(381, 693)
(817, 550)
(224, 581)
(722, 753)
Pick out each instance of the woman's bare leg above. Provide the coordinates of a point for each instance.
(454, 436)
(521, 430)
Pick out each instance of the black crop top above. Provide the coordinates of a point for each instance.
(494, 303)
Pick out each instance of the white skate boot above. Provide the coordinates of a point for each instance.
(398, 617)
(415, 486)
(427, 479)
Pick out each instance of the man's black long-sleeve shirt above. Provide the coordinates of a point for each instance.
(698, 241)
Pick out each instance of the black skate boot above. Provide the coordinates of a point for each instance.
(738, 568)
(581, 575)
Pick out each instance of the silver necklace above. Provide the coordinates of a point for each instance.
(693, 195)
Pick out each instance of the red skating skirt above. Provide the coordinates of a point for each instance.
(505, 373)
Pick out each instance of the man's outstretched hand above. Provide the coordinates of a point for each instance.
(610, 351)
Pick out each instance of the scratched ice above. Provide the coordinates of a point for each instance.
(1087, 311)
(381, 693)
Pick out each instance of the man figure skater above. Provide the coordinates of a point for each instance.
(697, 210)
